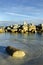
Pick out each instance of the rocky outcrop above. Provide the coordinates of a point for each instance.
(25, 28)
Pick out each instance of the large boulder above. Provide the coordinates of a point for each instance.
(15, 52)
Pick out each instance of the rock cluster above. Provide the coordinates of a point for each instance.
(25, 28)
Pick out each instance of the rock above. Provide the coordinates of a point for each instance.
(18, 54)
(25, 27)
(2, 30)
(32, 28)
(15, 52)
(13, 30)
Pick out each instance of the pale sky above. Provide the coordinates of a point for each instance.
(20, 10)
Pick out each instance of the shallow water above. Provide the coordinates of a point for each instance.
(31, 44)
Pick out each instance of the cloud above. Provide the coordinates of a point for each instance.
(21, 15)
(22, 11)
(16, 14)
(28, 11)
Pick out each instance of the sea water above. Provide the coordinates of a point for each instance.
(31, 44)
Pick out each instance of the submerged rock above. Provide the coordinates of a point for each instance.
(15, 52)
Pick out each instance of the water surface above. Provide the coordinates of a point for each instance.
(31, 44)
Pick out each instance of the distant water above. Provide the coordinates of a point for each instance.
(7, 23)
(32, 44)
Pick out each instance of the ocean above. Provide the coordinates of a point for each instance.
(31, 44)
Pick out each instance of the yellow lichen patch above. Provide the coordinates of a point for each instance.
(19, 54)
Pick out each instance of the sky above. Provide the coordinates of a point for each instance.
(21, 10)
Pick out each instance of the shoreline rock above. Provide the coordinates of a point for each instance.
(30, 28)
(17, 53)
